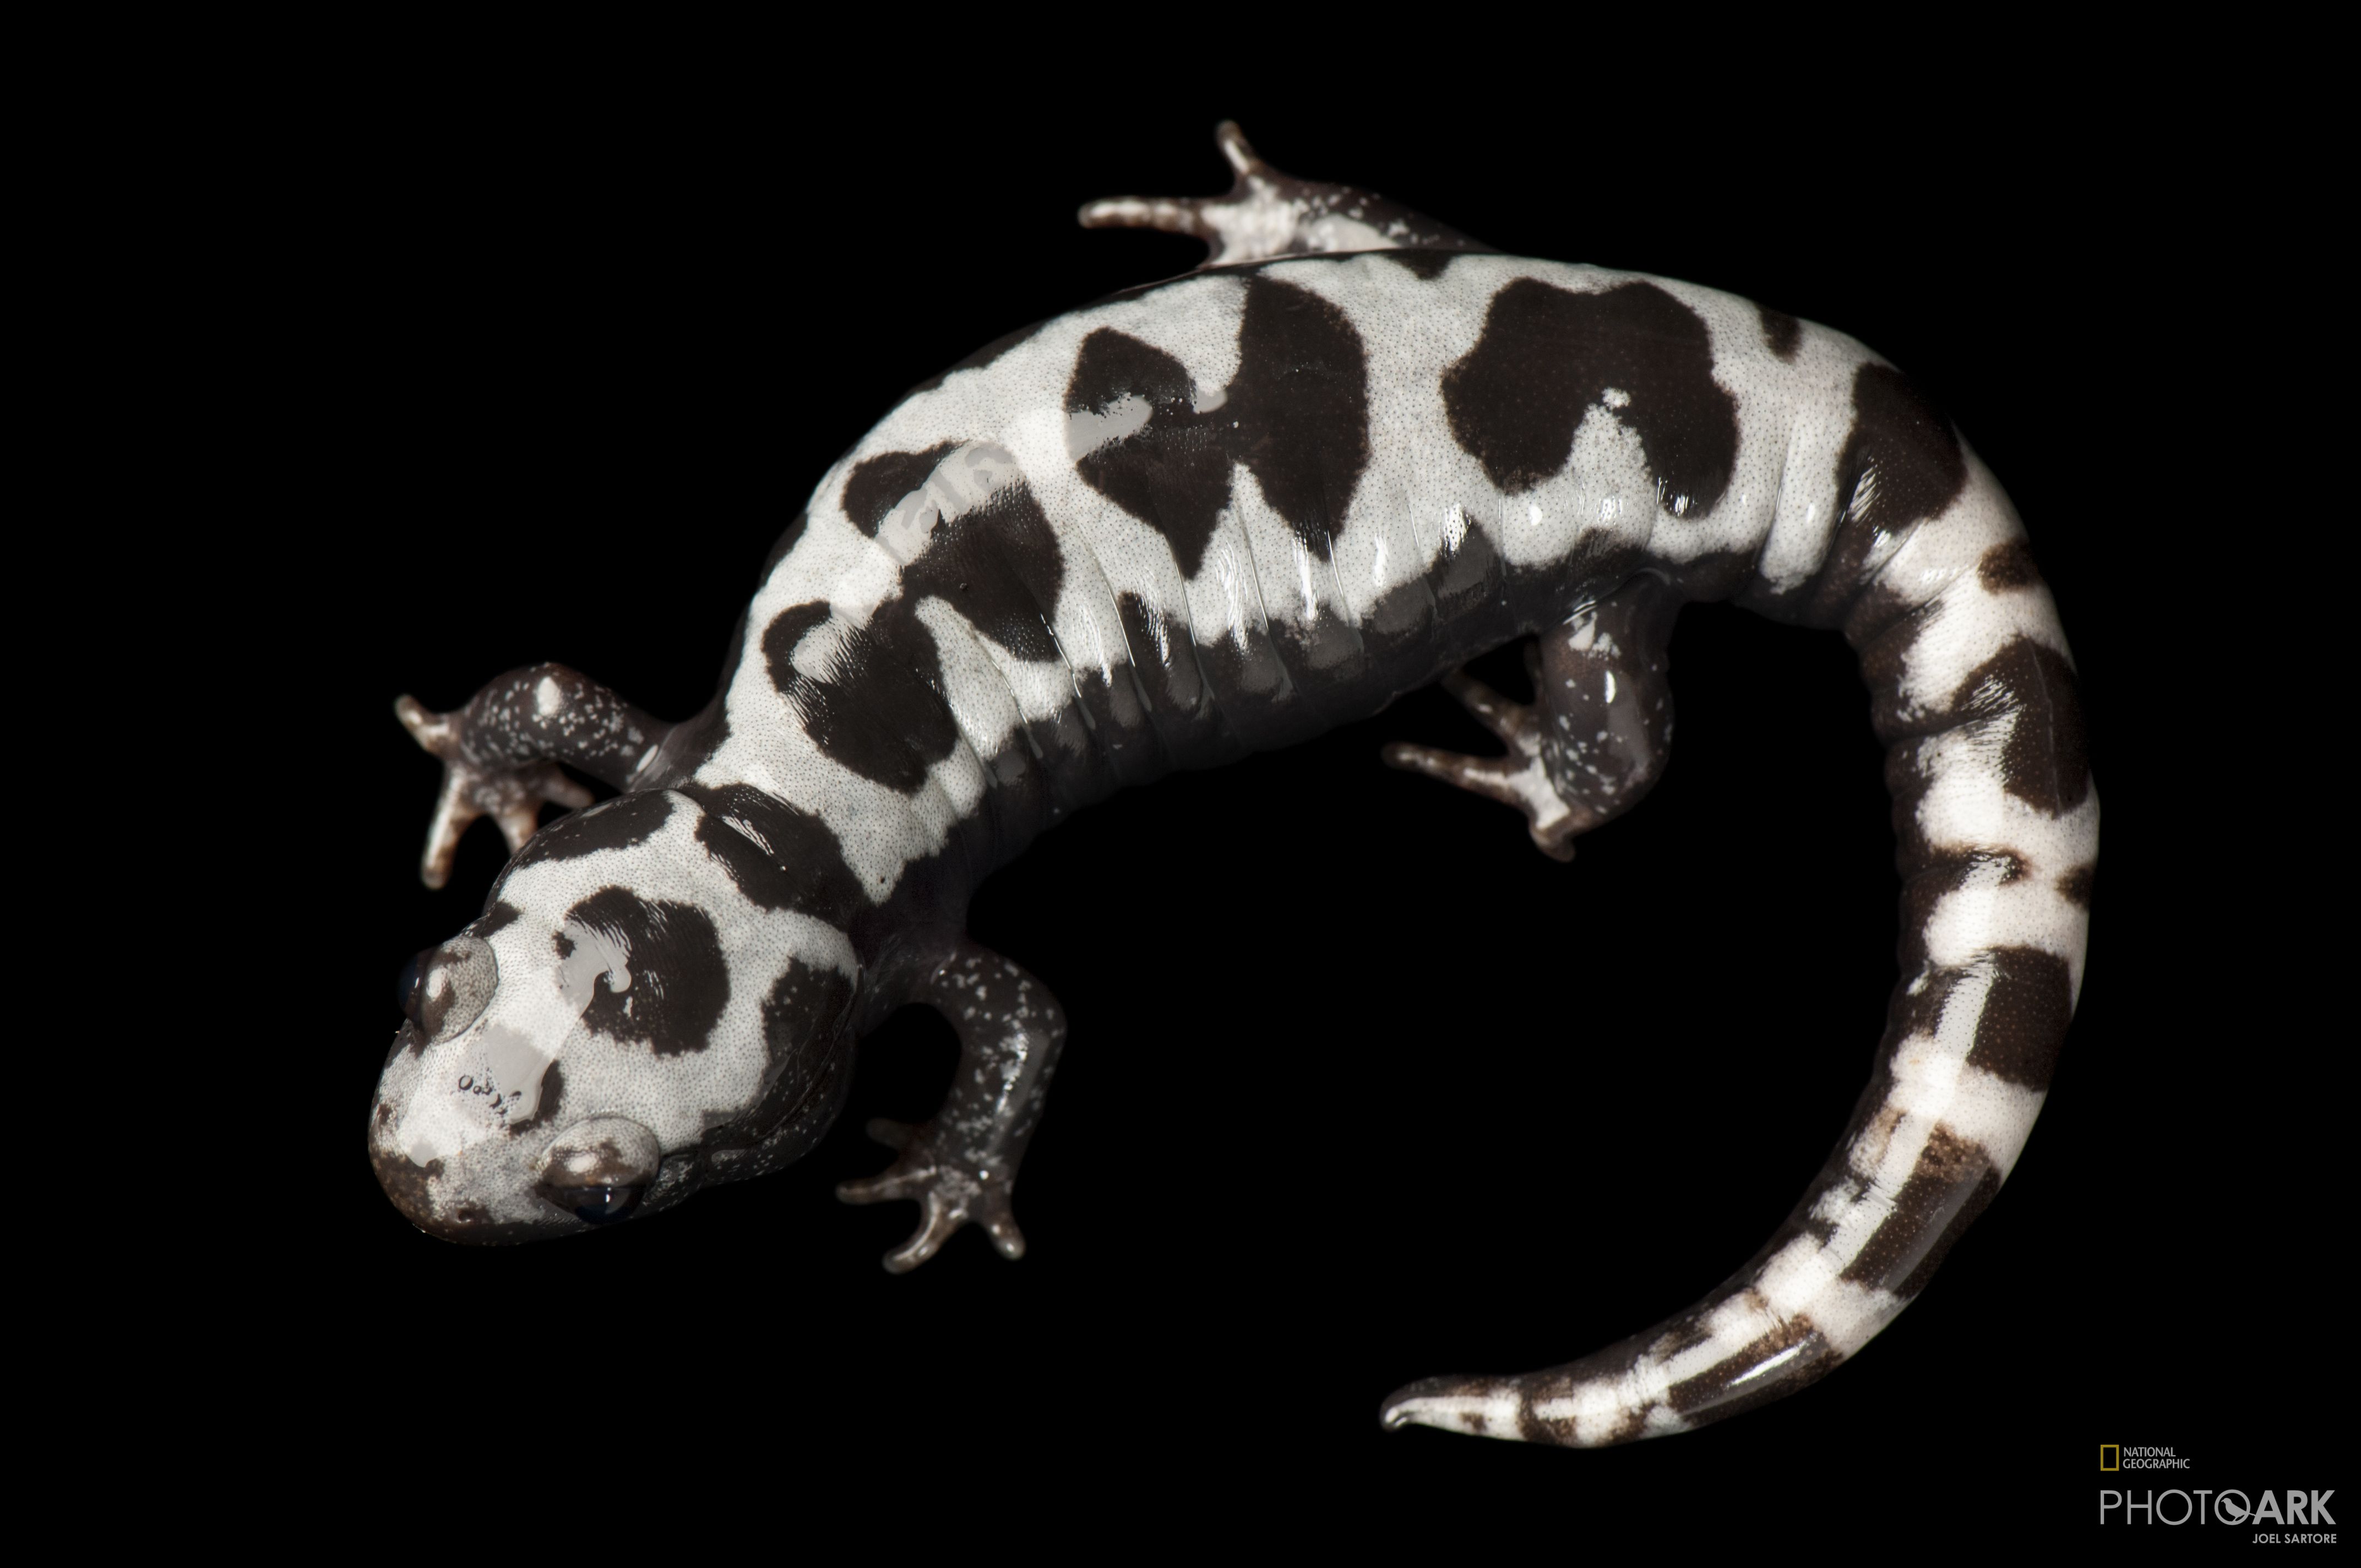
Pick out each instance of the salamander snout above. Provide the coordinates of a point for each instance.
(503, 1188)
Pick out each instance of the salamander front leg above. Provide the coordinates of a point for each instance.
(1597, 734)
(961, 1165)
(500, 753)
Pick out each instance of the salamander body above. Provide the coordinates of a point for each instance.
(1212, 516)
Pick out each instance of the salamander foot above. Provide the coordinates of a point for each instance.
(950, 1192)
(1595, 736)
(1268, 214)
(1521, 779)
(510, 797)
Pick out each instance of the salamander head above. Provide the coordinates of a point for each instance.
(634, 1014)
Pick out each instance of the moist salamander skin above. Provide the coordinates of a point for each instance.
(1216, 515)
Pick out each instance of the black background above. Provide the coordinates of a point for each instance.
(1359, 1088)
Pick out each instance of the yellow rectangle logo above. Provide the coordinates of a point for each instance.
(2110, 1455)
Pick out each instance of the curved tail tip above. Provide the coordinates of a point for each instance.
(1456, 1404)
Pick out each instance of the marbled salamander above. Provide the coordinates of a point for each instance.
(1203, 518)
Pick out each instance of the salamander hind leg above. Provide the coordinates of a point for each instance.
(961, 1165)
(1268, 214)
(1595, 737)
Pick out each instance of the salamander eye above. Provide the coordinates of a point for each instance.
(407, 983)
(444, 989)
(598, 1168)
(595, 1204)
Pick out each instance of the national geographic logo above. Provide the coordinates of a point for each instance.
(2299, 1513)
(2115, 1456)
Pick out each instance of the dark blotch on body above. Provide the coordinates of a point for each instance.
(1425, 265)
(878, 484)
(1714, 1395)
(1949, 1188)
(801, 1018)
(780, 856)
(1301, 407)
(1781, 332)
(1546, 360)
(872, 712)
(622, 823)
(878, 707)
(2023, 1026)
(1296, 416)
(2008, 566)
(998, 562)
(2045, 763)
(779, 639)
(1901, 463)
(805, 1072)
(677, 980)
(1174, 473)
